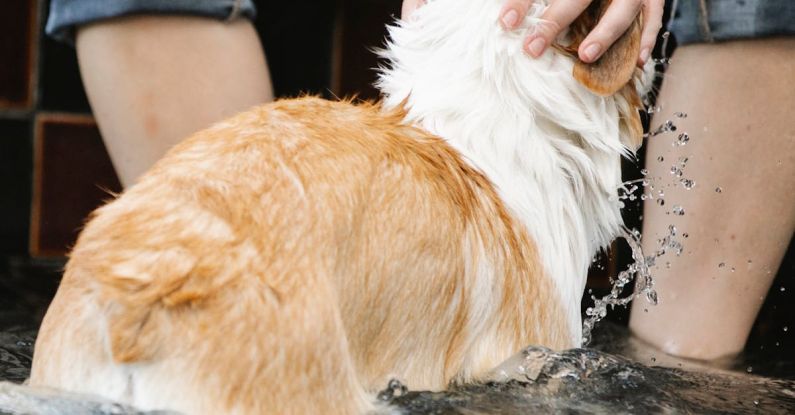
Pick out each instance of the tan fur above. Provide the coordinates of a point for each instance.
(615, 67)
(615, 71)
(283, 259)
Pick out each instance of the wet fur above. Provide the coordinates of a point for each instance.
(295, 257)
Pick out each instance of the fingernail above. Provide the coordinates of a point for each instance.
(644, 55)
(592, 52)
(536, 47)
(510, 19)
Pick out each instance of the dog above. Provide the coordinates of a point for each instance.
(295, 257)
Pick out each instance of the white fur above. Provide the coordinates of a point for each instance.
(550, 146)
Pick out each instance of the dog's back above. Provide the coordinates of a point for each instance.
(288, 261)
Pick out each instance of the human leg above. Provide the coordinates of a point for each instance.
(153, 80)
(738, 96)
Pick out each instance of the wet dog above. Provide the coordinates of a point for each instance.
(295, 257)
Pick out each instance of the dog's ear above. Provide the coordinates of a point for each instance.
(616, 66)
(613, 74)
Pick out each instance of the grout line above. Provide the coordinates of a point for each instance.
(16, 113)
(36, 69)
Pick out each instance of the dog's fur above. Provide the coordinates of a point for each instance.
(295, 257)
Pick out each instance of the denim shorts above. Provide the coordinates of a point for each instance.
(700, 21)
(66, 15)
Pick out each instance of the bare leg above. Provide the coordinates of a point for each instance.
(154, 80)
(739, 97)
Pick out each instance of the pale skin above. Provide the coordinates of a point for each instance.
(153, 80)
(742, 140)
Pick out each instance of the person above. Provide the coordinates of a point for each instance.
(733, 75)
(156, 71)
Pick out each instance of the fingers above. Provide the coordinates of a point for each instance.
(615, 22)
(652, 23)
(408, 8)
(557, 16)
(513, 11)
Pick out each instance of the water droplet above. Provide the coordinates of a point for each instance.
(644, 172)
(660, 158)
(732, 269)
(718, 190)
(672, 230)
(665, 127)
(749, 261)
(782, 289)
(721, 265)
(652, 297)
(686, 235)
(682, 139)
(680, 114)
(678, 210)
(660, 202)
(667, 265)
(756, 402)
(786, 328)
(394, 389)
(688, 183)
(749, 369)
(653, 359)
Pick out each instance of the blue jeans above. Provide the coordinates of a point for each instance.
(66, 15)
(698, 21)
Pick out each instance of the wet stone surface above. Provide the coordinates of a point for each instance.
(582, 381)
(537, 380)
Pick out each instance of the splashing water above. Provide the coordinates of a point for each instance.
(640, 269)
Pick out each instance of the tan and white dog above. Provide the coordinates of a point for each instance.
(295, 257)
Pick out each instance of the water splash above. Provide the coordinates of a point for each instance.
(638, 271)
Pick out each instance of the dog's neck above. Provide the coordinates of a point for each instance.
(551, 148)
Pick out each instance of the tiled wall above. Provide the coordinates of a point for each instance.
(54, 168)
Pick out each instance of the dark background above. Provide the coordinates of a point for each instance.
(54, 168)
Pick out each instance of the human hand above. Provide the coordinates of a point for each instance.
(409, 6)
(561, 13)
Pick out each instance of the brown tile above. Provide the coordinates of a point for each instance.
(17, 50)
(72, 175)
(297, 40)
(361, 26)
(16, 161)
